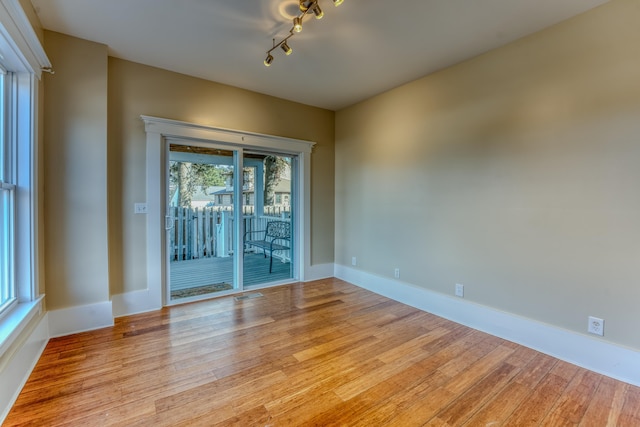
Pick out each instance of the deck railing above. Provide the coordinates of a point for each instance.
(208, 231)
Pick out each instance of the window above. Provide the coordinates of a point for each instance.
(22, 60)
(7, 199)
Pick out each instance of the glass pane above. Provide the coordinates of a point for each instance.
(201, 241)
(267, 219)
(7, 289)
(3, 130)
(6, 245)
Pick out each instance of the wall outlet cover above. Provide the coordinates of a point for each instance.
(596, 326)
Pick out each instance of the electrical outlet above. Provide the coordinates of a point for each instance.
(354, 261)
(596, 326)
(459, 290)
(396, 273)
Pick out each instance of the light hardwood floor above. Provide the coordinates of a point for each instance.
(323, 353)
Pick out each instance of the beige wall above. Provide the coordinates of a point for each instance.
(75, 172)
(516, 174)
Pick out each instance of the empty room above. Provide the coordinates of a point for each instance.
(319, 212)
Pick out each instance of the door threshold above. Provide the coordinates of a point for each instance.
(232, 292)
(248, 296)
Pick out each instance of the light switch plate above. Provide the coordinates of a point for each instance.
(140, 208)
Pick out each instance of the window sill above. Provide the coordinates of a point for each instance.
(14, 322)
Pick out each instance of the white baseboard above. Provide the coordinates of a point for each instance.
(591, 353)
(134, 303)
(82, 318)
(14, 375)
(318, 271)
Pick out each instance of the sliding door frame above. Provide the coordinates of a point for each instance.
(159, 130)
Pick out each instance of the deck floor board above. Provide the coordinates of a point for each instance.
(207, 271)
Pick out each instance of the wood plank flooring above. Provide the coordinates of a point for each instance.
(323, 353)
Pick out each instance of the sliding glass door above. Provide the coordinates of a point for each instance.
(225, 230)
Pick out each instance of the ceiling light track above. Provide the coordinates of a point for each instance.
(306, 7)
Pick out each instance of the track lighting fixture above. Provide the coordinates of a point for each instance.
(306, 6)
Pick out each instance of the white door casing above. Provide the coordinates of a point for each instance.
(160, 129)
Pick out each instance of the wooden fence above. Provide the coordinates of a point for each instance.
(208, 232)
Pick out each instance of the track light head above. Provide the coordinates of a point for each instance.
(304, 5)
(297, 24)
(268, 60)
(286, 48)
(317, 11)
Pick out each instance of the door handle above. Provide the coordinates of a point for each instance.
(168, 222)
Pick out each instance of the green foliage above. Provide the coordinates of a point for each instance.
(185, 177)
(210, 175)
(200, 174)
(274, 167)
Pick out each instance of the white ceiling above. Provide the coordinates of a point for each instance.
(359, 49)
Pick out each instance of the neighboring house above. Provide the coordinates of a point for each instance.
(223, 196)
(200, 198)
(204, 196)
(282, 197)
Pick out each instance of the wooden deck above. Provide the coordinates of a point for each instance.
(209, 271)
(314, 354)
